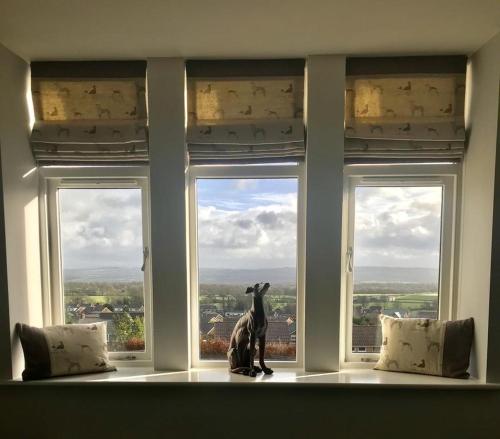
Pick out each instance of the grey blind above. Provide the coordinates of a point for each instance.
(411, 107)
(245, 111)
(89, 112)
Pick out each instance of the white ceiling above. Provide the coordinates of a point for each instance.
(121, 29)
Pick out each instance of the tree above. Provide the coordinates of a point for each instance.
(138, 327)
(70, 318)
(128, 327)
(123, 323)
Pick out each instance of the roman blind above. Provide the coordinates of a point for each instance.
(245, 111)
(89, 112)
(405, 108)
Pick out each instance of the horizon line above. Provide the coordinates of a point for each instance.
(248, 269)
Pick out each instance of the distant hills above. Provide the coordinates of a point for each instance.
(283, 275)
(104, 274)
(396, 275)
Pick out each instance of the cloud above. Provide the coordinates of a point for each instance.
(397, 226)
(255, 237)
(245, 184)
(394, 227)
(100, 227)
(269, 220)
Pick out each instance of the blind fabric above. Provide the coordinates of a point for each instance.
(83, 119)
(406, 115)
(245, 118)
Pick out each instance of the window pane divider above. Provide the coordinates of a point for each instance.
(98, 183)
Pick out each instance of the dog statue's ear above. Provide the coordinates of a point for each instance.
(265, 288)
(249, 290)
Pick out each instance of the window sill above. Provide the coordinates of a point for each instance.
(360, 378)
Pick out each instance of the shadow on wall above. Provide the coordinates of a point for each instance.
(5, 363)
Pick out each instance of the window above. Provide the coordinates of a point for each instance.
(99, 260)
(245, 229)
(398, 252)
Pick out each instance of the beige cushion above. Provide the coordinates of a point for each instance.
(425, 346)
(64, 350)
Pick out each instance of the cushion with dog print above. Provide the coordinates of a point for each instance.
(64, 350)
(426, 346)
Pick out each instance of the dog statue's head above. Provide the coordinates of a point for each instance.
(257, 290)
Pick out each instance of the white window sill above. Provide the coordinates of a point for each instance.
(345, 378)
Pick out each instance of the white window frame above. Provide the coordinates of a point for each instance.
(447, 175)
(251, 172)
(51, 180)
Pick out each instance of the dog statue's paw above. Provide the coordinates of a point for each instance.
(252, 373)
(267, 371)
(257, 369)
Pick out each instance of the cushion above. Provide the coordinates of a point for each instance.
(64, 350)
(425, 346)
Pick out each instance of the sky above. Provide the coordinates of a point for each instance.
(397, 226)
(247, 223)
(100, 228)
(251, 223)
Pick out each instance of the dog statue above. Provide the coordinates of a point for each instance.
(249, 328)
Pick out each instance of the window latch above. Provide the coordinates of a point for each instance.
(349, 257)
(145, 255)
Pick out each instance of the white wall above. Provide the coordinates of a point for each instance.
(325, 164)
(478, 194)
(20, 190)
(166, 84)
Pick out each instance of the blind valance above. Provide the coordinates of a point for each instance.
(245, 111)
(405, 108)
(89, 112)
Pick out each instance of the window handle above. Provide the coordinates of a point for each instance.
(349, 257)
(145, 255)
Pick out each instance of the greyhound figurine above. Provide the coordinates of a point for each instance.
(249, 328)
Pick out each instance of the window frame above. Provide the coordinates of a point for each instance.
(295, 170)
(51, 180)
(447, 175)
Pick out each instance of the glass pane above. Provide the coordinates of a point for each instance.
(101, 249)
(247, 233)
(397, 240)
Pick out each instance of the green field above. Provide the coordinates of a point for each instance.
(230, 303)
(232, 298)
(119, 293)
(409, 302)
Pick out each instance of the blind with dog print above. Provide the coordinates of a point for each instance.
(405, 108)
(245, 111)
(89, 112)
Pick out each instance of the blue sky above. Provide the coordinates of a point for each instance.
(241, 194)
(247, 223)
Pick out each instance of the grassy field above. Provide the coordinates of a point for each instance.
(409, 302)
(119, 293)
(231, 298)
(232, 303)
(98, 299)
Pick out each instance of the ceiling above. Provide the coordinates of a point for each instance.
(123, 29)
